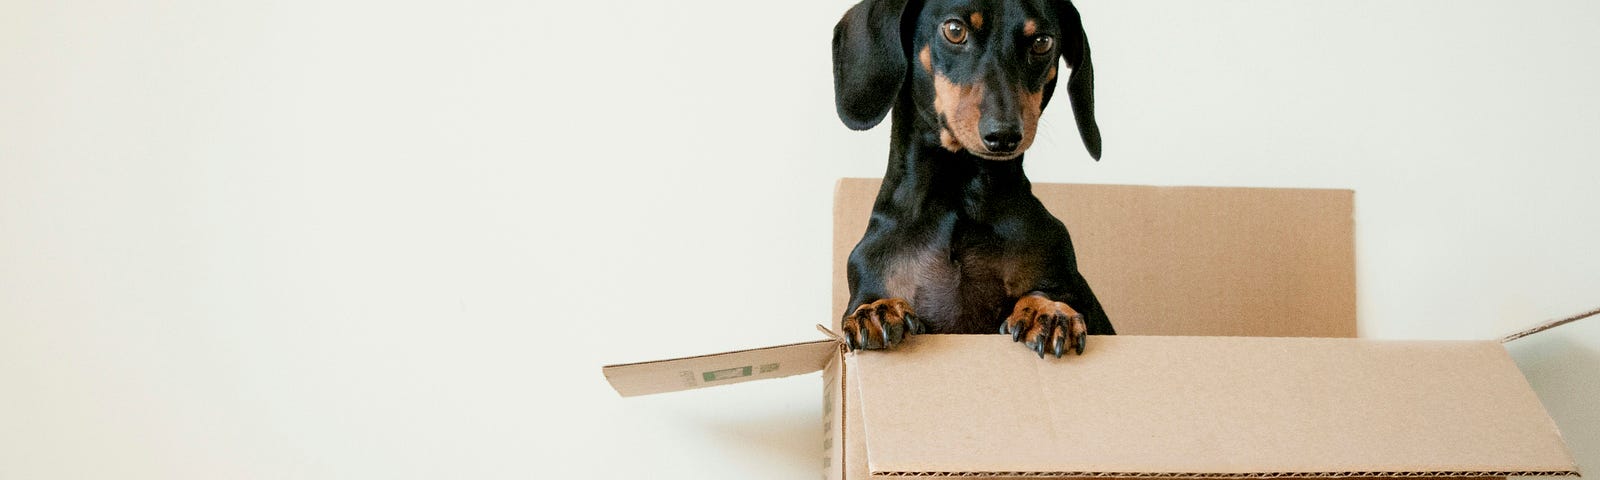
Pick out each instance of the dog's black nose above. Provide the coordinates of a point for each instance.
(1002, 138)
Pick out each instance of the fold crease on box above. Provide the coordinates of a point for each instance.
(1259, 386)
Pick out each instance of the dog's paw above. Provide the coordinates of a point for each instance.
(881, 324)
(1046, 326)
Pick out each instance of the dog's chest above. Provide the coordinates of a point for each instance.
(956, 284)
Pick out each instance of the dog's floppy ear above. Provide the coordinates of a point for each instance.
(869, 62)
(1080, 87)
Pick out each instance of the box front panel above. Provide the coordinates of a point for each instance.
(1197, 406)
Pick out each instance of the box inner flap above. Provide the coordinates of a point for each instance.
(716, 369)
(1206, 406)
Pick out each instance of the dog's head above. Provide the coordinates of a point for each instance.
(980, 70)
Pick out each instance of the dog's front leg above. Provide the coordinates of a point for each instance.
(1046, 325)
(879, 314)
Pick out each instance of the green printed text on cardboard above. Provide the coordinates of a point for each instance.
(737, 372)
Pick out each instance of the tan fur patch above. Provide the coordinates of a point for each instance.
(947, 141)
(960, 105)
(896, 307)
(1032, 107)
(926, 56)
(1051, 75)
(1037, 304)
(1029, 28)
(976, 19)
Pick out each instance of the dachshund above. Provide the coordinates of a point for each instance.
(957, 242)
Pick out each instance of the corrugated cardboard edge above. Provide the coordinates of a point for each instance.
(833, 425)
(844, 446)
(834, 450)
(1362, 475)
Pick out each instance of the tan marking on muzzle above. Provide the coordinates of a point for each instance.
(1032, 106)
(947, 141)
(961, 108)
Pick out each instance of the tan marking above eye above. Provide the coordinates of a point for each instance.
(1029, 28)
(977, 19)
(926, 57)
(954, 31)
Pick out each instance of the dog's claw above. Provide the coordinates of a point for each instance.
(888, 334)
(872, 334)
(1060, 343)
(916, 324)
(1079, 332)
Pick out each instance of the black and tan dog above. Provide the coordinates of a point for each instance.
(957, 242)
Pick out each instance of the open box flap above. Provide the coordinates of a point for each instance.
(659, 376)
(1203, 406)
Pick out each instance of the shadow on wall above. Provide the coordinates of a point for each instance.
(1561, 364)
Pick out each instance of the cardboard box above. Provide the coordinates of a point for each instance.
(1218, 265)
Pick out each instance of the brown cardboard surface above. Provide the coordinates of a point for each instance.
(855, 438)
(1187, 260)
(1168, 261)
(727, 368)
(1203, 406)
(833, 448)
(844, 447)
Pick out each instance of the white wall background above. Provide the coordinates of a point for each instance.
(397, 239)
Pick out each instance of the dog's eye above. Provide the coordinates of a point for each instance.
(955, 31)
(1042, 44)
